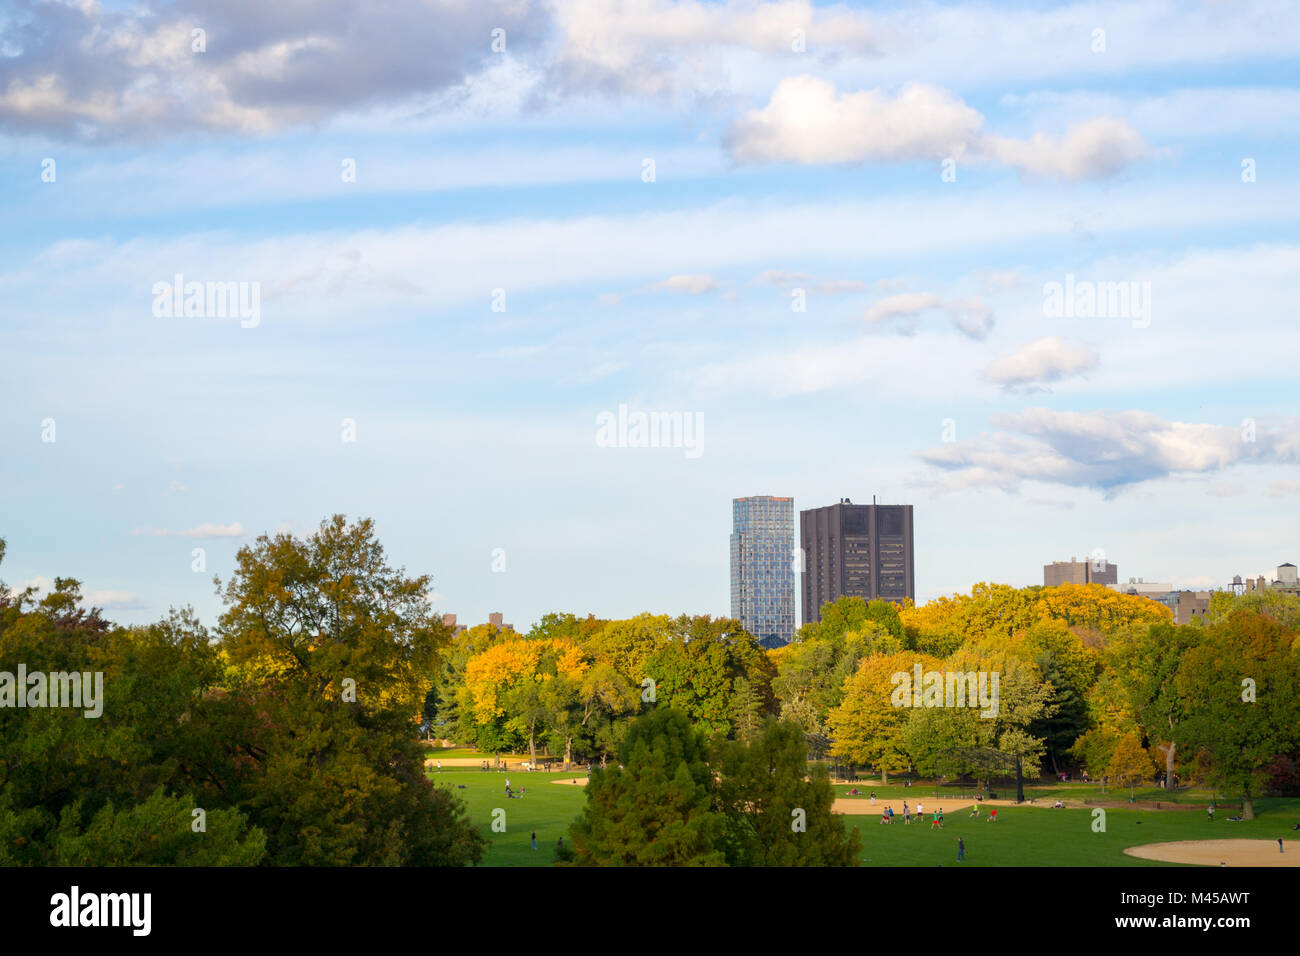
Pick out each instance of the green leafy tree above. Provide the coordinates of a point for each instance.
(1241, 687)
(778, 809)
(657, 809)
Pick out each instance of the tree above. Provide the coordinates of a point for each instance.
(868, 726)
(1241, 686)
(697, 670)
(331, 653)
(328, 608)
(747, 710)
(1146, 661)
(530, 684)
(657, 809)
(1130, 764)
(778, 810)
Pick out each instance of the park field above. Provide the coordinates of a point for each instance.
(1023, 835)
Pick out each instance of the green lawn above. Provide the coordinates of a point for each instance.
(1088, 793)
(1023, 836)
(546, 807)
(1040, 836)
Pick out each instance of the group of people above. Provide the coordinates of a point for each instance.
(510, 794)
(936, 819)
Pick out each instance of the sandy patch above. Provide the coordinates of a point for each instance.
(1216, 852)
(572, 781)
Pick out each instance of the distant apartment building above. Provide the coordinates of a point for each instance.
(762, 569)
(1079, 572)
(862, 551)
(494, 618)
(1186, 605)
(1285, 583)
(1151, 589)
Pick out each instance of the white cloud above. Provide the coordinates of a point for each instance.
(807, 120)
(1107, 450)
(904, 305)
(687, 284)
(1040, 363)
(661, 47)
(1283, 489)
(114, 600)
(205, 530)
(970, 316)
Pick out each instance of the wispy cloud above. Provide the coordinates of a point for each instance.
(1040, 363)
(205, 530)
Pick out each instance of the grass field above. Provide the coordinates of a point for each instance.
(545, 807)
(1022, 836)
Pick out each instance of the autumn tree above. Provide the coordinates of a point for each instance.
(1131, 763)
(868, 725)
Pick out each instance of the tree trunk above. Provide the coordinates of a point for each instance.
(568, 751)
(1020, 782)
(1247, 806)
(1169, 764)
(884, 777)
(532, 742)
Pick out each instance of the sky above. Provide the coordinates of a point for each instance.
(1030, 268)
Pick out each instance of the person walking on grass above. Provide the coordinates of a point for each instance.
(534, 839)
(907, 814)
(1210, 811)
(961, 851)
(993, 815)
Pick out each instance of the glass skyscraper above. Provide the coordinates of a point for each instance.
(762, 570)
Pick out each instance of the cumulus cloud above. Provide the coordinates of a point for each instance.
(970, 316)
(205, 530)
(1107, 450)
(1040, 363)
(87, 71)
(807, 120)
(1283, 489)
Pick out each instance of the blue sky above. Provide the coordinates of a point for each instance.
(924, 368)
